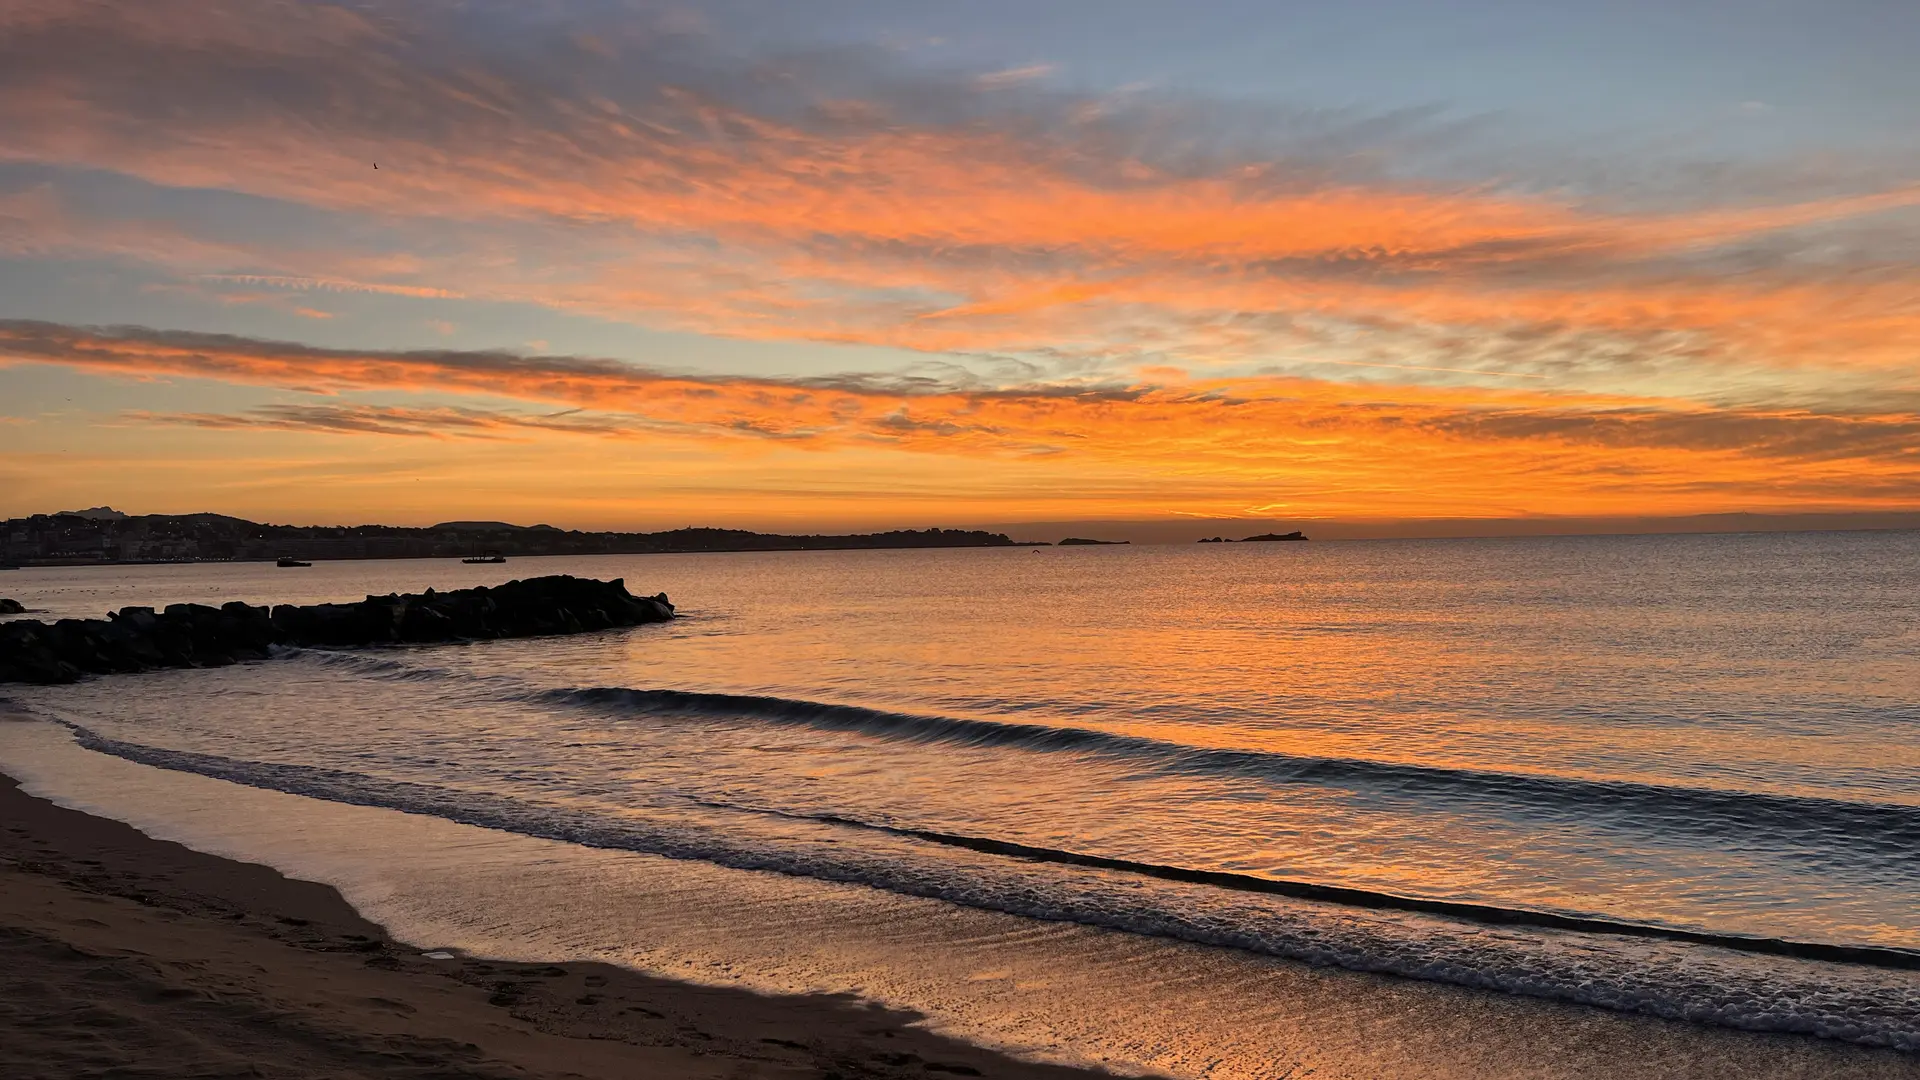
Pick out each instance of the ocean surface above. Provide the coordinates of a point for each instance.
(1672, 776)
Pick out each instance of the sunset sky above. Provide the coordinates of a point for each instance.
(850, 264)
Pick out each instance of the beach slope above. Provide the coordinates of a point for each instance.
(125, 956)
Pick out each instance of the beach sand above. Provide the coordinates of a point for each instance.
(125, 956)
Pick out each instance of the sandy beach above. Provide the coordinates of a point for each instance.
(127, 956)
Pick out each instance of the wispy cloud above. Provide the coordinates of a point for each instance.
(832, 196)
(1142, 299)
(994, 80)
(334, 285)
(1322, 446)
(434, 422)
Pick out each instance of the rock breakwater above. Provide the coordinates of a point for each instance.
(195, 635)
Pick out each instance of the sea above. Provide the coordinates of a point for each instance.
(1102, 805)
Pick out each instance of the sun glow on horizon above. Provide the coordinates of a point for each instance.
(864, 290)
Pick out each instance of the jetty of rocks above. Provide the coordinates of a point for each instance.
(196, 635)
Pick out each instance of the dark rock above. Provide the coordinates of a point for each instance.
(27, 654)
(142, 619)
(195, 635)
(12, 607)
(1270, 537)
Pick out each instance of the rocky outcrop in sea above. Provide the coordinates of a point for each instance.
(195, 635)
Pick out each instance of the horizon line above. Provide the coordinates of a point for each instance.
(1185, 529)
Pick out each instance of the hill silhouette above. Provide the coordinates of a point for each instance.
(85, 538)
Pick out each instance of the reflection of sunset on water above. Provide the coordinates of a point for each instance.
(1688, 750)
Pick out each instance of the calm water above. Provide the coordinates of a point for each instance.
(1624, 771)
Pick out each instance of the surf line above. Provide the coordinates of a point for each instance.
(1862, 955)
(1866, 955)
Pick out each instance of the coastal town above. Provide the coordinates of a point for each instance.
(104, 535)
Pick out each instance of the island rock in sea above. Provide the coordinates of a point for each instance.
(11, 607)
(194, 635)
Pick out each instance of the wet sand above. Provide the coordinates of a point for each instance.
(125, 956)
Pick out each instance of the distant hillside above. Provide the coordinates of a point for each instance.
(103, 535)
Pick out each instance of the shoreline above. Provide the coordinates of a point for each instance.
(131, 954)
(247, 941)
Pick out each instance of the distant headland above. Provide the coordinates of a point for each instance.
(104, 535)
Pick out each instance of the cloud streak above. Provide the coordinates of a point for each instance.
(334, 285)
(1336, 447)
(440, 422)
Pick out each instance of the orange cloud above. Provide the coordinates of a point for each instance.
(728, 197)
(1158, 291)
(1213, 446)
